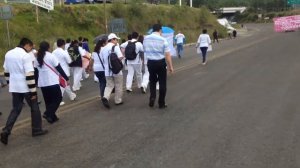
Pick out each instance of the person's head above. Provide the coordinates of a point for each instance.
(129, 37)
(68, 40)
(26, 44)
(157, 28)
(85, 39)
(113, 38)
(43, 48)
(141, 39)
(204, 31)
(80, 39)
(100, 43)
(60, 43)
(74, 43)
(135, 35)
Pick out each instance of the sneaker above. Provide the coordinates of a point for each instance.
(143, 90)
(4, 138)
(105, 102)
(119, 103)
(129, 90)
(62, 103)
(73, 97)
(87, 76)
(203, 63)
(39, 133)
(151, 102)
(163, 106)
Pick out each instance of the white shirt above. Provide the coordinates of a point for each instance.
(204, 40)
(138, 48)
(67, 45)
(104, 53)
(63, 58)
(179, 38)
(32, 55)
(97, 66)
(155, 46)
(46, 76)
(17, 63)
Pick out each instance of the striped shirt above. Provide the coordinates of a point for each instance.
(155, 46)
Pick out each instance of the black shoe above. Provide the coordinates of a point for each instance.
(105, 102)
(128, 90)
(39, 133)
(4, 138)
(49, 119)
(0, 113)
(151, 102)
(119, 103)
(55, 118)
(163, 106)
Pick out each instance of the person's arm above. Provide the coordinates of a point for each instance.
(169, 62)
(62, 72)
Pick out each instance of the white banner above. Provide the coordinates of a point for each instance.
(47, 4)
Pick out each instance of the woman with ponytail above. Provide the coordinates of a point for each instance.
(48, 80)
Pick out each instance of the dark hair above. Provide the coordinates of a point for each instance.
(68, 40)
(24, 41)
(85, 39)
(44, 46)
(141, 39)
(156, 27)
(129, 37)
(123, 41)
(80, 38)
(99, 44)
(60, 42)
(204, 31)
(73, 43)
(135, 35)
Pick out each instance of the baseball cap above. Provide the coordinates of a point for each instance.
(112, 36)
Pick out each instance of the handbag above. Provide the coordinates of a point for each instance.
(62, 82)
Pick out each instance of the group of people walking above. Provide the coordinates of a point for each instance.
(51, 72)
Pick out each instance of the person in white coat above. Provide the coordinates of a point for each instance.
(134, 65)
(64, 60)
(203, 42)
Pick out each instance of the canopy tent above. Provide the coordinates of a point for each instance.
(168, 33)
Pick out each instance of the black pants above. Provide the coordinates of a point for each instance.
(158, 72)
(17, 101)
(52, 97)
(102, 81)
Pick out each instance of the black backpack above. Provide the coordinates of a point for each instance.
(115, 64)
(130, 53)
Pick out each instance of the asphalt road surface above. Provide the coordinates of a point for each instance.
(241, 110)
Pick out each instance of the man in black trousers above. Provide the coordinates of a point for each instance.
(157, 51)
(19, 74)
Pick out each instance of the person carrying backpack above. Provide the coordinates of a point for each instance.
(113, 66)
(134, 58)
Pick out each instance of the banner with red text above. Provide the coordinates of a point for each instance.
(288, 23)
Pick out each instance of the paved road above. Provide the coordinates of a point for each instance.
(240, 110)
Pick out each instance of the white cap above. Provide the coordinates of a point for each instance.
(112, 36)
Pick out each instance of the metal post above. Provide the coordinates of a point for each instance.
(179, 2)
(105, 17)
(37, 13)
(8, 35)
(191, 3)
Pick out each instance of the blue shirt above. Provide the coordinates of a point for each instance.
(155, 46)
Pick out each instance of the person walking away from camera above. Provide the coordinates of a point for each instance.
(64, 60)
(49, 70)
(134, 54)
(145, 71)
(215, 36)
(97, 63)
(2, 85)
(203, 42)
(234, 33)
(180, 40)
(19, 74)
(112, 80)
(158, 54)
(76, 65)
(68, 43)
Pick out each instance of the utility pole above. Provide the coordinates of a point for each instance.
(105, 17)
(191, 3)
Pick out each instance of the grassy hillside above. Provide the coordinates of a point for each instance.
(88, 21)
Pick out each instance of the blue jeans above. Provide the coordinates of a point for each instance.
(203, 51)
(179, 49)
(102, 81)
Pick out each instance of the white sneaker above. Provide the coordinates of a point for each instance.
(62, 103)
(73, 97)
(87, 76)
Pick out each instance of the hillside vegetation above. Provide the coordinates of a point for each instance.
(72, 21)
